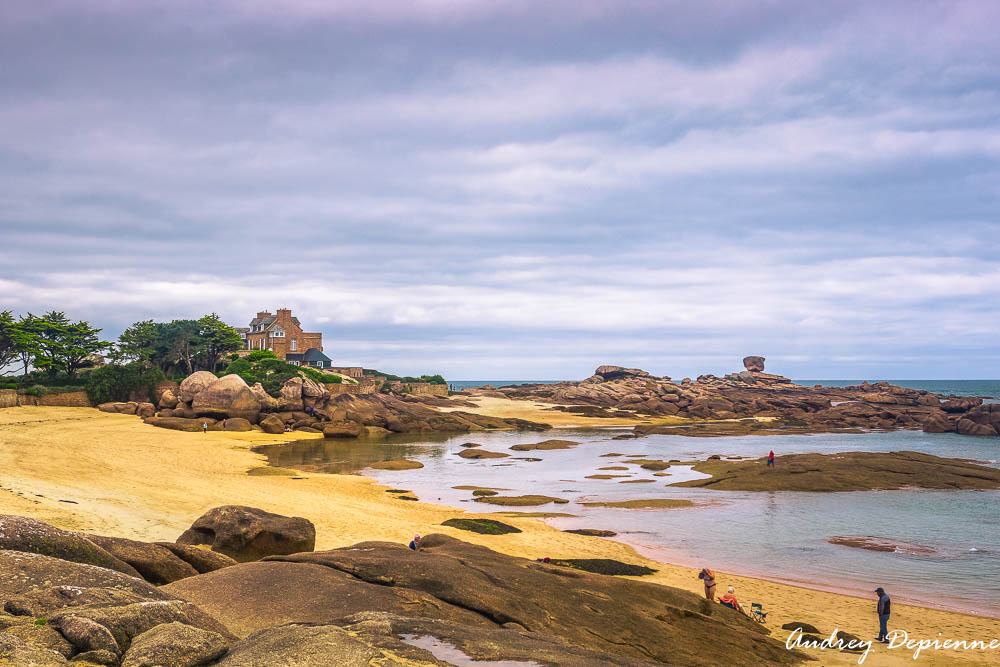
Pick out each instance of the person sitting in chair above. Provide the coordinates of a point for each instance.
(729, 599)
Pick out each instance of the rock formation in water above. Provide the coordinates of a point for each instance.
(617, 391)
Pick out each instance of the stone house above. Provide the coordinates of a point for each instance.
(282, 334)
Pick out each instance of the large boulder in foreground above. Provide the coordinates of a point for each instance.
(193, 384)
(248, 533)
(228, 396)
(628, 618)
(303, 646)
(244, 599)
(24, 571)
(175, 644)
(19, 533)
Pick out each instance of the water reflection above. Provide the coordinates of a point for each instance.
(342, 457)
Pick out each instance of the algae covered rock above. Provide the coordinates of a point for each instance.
(175, 644)
(19, 533)
(482, 526)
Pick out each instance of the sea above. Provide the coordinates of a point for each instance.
(948, 553)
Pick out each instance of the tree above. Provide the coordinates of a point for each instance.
(182, 342)
(25, 338)
(62, 345)
(217, 339)
(8, 346)
(138, 342)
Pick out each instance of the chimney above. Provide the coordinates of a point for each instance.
(262, 314)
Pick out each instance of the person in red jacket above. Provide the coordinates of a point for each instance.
(770, 459)
(729, 599)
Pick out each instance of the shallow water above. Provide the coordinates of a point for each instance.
(775, 535)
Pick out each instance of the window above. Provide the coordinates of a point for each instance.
(278, 333)
(295, 344)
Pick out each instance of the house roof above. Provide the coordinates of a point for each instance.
(311, 355)
(242, 329)
(262, 320)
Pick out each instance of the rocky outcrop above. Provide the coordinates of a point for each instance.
(177, 644)
(754, 364)
(248, 534)
(846, 471)
(272, 424)
(154, 563)
(201, 560)
(625, 618)
(343, 429)
(613, 390)
(291, 395)
(359, 605)
(182, 424)
(193, 384)
(242, 597)
(228, 396)
(18, 533)
(267, 402)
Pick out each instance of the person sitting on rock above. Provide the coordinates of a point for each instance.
(709, 577)
(415, 542)
(729, 599)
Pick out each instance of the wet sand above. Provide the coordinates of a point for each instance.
(127, 479)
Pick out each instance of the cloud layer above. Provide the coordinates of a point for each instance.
(512, 190)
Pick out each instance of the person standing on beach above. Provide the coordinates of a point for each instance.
(709, 578)
(770, 459)
(204, 427)
(883, 608)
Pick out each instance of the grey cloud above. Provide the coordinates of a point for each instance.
(494, 188)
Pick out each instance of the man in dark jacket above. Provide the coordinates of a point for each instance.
(883, 609)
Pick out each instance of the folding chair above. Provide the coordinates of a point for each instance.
(757, 612)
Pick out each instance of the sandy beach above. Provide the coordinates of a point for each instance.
(81, 469)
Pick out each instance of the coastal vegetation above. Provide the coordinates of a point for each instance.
(180, 345)
(265, 367)
(51, 343)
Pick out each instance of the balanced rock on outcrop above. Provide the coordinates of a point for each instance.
(291, 395)
(267, 402)
(228, 396)
(248, 533)
(754, 364)
(193, 384)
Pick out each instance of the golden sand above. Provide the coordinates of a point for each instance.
(127, 479)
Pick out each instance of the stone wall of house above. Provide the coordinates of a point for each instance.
(350, 388)
(355, 372)
(69, 399)
(419, 388)
(8, 398)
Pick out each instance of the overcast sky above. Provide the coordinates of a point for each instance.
(513, 190)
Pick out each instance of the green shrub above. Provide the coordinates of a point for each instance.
(117, 383)
(265, 367)
(8, 385)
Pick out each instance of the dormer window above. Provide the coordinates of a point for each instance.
(278, 333)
